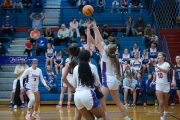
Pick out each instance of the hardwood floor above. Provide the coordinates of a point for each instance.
(50, 112)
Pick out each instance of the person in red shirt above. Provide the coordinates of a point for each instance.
(28, 46)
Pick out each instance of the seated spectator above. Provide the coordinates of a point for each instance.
(49, 35)
(130, 26)
(7, 27)
(62, 36)
(154, 39)
(35, 34)
(28, 46)
(125, 56)
(135, 4)
(81, 27)
(145, 61)
(81, 4)
(74, 31)
(148, 32)
(58, 61)
(100, 5)
(37, 21)
(129, 85)
(147, 89)
(38, 4)
(115, 6)
(1, 3)
(41, 44)
(106, 32)
(140, 26)
(136, 64)
(50, 78)
(12, 94)
(173, 92)
(138, 87)
(8, 4)
(135, 49)
(82, 41)
(124, 5)
(27, 3)
(126, 68)
(49, 54)
(2, 49)
(72, 40)
(88, 2)
(18, 6)
(153, 52)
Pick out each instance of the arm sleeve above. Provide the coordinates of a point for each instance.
(125, 84)
(42, 79)
(25, 73)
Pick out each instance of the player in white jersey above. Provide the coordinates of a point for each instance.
(32, 76)
(162, 82)
(110, 70)
(64, 88)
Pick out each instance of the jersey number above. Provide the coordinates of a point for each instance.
(34, 79)
(160, 75)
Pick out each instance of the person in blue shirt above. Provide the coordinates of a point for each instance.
(7, 27)
(41, 44)
(50, 78)
(138, 87)
(88, 2)
(38, 4)
(148, 90)
(82, 41)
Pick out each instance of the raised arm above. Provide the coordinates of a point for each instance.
(25, 73)
(31, 16)
(90, 39)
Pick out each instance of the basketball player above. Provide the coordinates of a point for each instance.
(32, 76)
(176, 76)
(162, 82)
(110, 70)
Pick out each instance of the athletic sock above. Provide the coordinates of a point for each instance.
(60, 102)
(22, 101)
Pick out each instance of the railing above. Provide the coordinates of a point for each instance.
(57, 16)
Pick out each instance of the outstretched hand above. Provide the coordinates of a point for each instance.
(88, 24)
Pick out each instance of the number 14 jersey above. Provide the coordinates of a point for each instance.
(162, 77)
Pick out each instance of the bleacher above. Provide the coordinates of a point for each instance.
(112, 19)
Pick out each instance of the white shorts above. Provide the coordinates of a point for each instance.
(163, 87)
(86, 98)
(14, 84)
(110, 82)
(30, 87)
(64, 85)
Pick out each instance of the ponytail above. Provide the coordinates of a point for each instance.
(72, 64)
(171, 65)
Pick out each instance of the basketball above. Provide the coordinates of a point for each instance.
(88, 10)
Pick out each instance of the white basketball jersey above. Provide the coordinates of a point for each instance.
(162, 77)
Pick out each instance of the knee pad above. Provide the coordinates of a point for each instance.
(31, 100)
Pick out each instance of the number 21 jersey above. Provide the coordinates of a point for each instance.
(162, 77)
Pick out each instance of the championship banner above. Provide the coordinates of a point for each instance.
(19, 59)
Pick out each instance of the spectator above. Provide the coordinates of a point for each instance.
(50, 78)
(126, 68)
(19, 69)
(124, 5)
(38, 4)
(129, 85)
(41, 44)
(154, 39)
(63, 36)
(2, 50)
(106, 32)
(74, 31)
(148, 90)
(12, 94)
(125, 56)
(35, 34)
(49, 35)
(37, 21)
(136, 64)
(135, 49)
(153, 52)
(115, 6)
(140, 26)
(27, 3)
(148, 31)
(100, 5)
(28, 46)
(135, 4)
(58, 61)
(88, 2)
(7, 27)
(7, 4)
(82, 41)
(81, 4)
(49, 55)
(138, 87)
(72, 40)
(1, 3)
(18, 6)
(81, 27)
(130, 26)
(145, 61)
